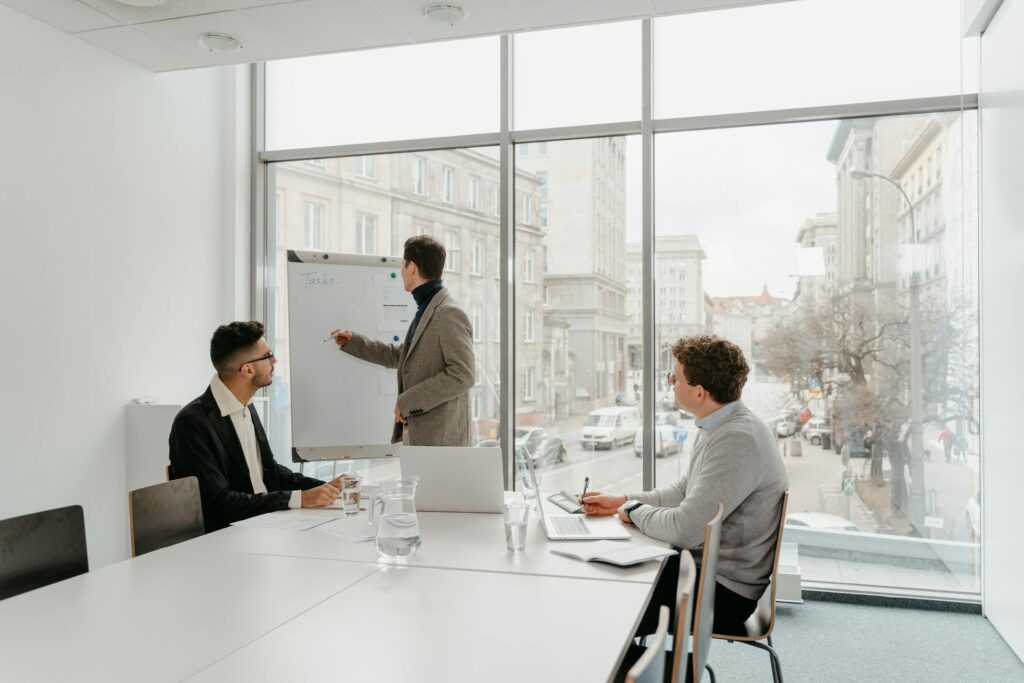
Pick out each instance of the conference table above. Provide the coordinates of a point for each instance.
(250, 603)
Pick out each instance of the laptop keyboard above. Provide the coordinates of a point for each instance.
(567, 524)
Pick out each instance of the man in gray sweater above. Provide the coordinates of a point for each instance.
(735, 461)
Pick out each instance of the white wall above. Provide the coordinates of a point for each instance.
(118, 226)
(1002, 331)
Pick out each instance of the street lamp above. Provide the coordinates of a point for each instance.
(916, 502)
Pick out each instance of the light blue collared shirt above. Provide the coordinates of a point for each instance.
(709, 422)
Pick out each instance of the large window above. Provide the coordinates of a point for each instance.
(840, 254)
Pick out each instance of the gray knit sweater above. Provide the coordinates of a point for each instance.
(735, 461)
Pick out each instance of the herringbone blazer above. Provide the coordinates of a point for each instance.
(435, 374)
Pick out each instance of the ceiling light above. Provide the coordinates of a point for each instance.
(445, 13)
(143, 3)
(219, 42)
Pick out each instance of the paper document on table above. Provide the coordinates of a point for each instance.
(395, 306)
(354, 528)
(284, 519)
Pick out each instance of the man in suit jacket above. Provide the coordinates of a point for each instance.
(435, 364)
(218, 438)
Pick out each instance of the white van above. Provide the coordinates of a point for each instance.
(610, 427)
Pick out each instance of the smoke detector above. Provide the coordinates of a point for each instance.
(219, 42)
(445, 12)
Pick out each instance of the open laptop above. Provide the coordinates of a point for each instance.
(455, 479)
(562, 527)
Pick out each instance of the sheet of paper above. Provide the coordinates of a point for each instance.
(354, 528)
(285, 519)
(395, 306)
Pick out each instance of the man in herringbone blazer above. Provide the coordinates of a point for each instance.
(435, 364)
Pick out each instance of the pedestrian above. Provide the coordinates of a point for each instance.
(947, 439)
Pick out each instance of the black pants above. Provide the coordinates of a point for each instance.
(731, 609)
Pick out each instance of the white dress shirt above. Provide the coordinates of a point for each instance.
(241, 420)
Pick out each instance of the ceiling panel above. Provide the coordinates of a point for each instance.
(258, 42)
(545, 13)
(173, 9)
(328, 26)
(67, 15)
(137, 47)
(680, 6)
(483, 17)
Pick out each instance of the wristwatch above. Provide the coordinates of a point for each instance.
(629, 506)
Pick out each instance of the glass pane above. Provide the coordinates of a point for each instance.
(799, 54)
(576, 76)
(577, 389)
(364, 212)
(857, 309)
(397, 93)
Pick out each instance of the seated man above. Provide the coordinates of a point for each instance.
(218, 438)
(735, 461)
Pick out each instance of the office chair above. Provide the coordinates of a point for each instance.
(650, 668)
(165, 514)
(761, 623)
(681, 641)
(41, 548)
(704, 608)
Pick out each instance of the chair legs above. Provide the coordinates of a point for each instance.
(775, 663)
(711, 672)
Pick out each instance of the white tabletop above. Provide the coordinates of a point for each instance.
(450, 541)
(159, 617)
(415, 624)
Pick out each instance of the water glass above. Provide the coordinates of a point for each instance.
(349, 495)
(516, 515)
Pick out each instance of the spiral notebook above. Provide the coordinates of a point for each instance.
(614, 552)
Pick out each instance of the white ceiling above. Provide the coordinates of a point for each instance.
(166, 38)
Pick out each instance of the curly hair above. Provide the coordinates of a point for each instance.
(229, 341)
(714, 363)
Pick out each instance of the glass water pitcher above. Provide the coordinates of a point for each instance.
(393, 510)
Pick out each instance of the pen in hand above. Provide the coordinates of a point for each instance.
(586, 484)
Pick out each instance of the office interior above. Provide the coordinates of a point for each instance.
(160, 160)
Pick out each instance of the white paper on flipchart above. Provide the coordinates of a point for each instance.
(395, 308)
(284, 519)
(388, 385)
(354, 528)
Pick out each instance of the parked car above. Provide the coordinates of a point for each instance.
(669, 436)
(623, 398)
(816, 428)
(787, 425)
(542, 447)
(821, 521)
(973, 514)
(609, 427)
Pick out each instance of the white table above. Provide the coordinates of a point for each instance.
(267, 604)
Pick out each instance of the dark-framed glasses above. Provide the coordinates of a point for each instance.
(269, 355)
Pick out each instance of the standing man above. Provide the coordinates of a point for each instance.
(735, 461)
(218, 438)
(435, 364)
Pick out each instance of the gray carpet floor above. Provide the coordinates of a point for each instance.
(834, 643)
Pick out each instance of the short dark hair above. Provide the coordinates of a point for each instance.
(427, 253)
(714, 363)
(229, 341)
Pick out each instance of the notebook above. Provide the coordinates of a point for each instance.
(613, 552)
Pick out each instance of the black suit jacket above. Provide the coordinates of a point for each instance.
(204, 444)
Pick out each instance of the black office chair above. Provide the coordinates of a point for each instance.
(165, 514)
(41, 548)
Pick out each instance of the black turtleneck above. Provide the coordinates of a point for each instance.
(422, 294)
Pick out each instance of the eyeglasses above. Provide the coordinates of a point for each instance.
(672, 380)
(268, 356)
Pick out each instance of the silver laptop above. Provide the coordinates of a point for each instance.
(562, 527)
(455, 479)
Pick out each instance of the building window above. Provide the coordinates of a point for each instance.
(542, 148)
(524, 149)
(313, 226)
(316, 162)
(366, 166)
(366, 233)
(528, 209)
(528, 383)
(448, 185)
(474, 193)
(528, 265)
(544, 218)
(475, 405)
(543, 192)
(476, 266)
(528, 325)
(419, 176)
(496, 201)
(478, 322)
(453, 247)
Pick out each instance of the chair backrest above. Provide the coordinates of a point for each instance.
(704, 608)
(42, 548)
(681, 644)
(766, 605)
(165, 514)
(650, 668)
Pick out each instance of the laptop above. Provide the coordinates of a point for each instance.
(455, 479)
(562, 527)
